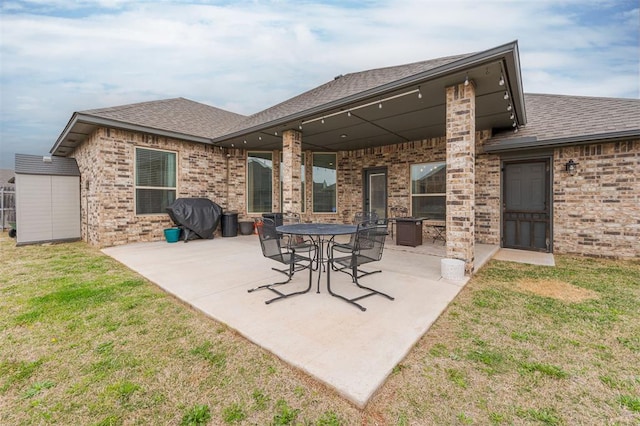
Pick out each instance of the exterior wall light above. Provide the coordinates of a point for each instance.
(571, 167)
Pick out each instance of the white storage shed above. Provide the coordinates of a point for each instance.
(47, 199)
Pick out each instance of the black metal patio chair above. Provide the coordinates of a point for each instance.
(297, 242)
(360, 219)
(368, 248)
(272, 248)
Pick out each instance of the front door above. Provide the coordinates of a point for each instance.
(375, 191)
(526, 212)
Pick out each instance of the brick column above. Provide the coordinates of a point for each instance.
(291, 166)
(461, 130)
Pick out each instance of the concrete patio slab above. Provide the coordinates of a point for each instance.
(525, 256)
(347, 349)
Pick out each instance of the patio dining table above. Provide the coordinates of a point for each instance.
(322, 234)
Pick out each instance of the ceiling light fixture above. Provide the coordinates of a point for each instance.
(506, 95)
(466, 80)
(509, 107)
(419, 93)
(349, 113)
(501, 82)
(512, 116)
(380, 105)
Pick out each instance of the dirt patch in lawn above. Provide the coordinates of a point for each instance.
(556, 289)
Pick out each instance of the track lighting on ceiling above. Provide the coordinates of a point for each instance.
(501, 81)
(366, 105)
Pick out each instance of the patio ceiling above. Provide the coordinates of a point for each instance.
(398, 113)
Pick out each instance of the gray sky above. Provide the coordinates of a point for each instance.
(61, 56)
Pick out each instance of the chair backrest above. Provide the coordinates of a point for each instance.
(290, 218)
(269, 238)
(370, 242)
(360, 217)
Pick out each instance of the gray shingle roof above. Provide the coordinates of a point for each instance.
(561, 118)
(342, 87)
(34, 165)
(177, 115)
(5, 175)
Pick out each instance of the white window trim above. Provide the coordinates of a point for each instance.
(135, 178)
(246, 180)
(313, 210)
(433, 194)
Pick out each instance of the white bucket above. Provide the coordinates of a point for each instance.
(452, 269)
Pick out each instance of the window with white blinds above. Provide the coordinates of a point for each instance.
(156, 180)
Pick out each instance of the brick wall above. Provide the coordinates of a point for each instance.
(106, 163)
(597, 211)
(487, 192)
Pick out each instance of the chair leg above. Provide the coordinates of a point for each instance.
(354, 276)
(289, 273)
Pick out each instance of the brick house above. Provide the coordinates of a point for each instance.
(453, 139)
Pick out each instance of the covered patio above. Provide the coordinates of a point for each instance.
(350, 351)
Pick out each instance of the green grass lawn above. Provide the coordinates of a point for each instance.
(83, 340)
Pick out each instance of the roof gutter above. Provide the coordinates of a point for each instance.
(511, 68)
(519, 144)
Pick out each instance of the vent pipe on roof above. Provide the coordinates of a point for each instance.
(46, 159)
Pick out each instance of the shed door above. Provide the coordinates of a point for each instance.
(33, 208)
(526, 206)
(65, 207)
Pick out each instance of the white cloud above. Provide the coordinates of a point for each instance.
(60, 56)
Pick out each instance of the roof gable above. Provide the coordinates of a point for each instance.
(178, 115)
(343, 87)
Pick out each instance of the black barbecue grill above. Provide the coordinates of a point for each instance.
(196, 217)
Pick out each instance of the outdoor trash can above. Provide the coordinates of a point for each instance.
(276, 217)
(230, 224)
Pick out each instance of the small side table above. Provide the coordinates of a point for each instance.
(409, 231)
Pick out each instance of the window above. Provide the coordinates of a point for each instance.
(324, 183)
(259, 182)
(155, 180)
(302, 179)
(428, 190)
